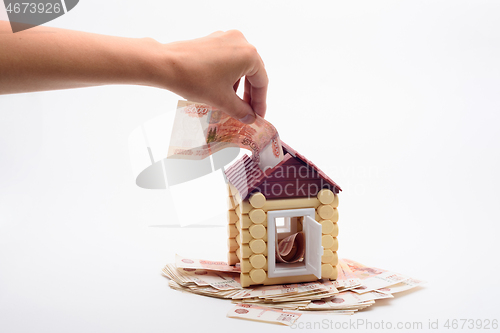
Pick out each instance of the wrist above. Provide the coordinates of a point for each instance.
(146, 63)
(160, 63)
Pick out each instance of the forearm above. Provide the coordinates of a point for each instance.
(206, 70)
(45, 58)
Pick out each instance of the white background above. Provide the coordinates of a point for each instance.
(398, 101)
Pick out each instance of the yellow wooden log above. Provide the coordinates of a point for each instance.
(257, 231)
(230, 203)
(258, 261)
(326, 227)
(335, 216)
(245, 221)
(237, 198)
(232, 244)
(232, 231)
(232, 259)
(245, 280)
(335, 202)
(243, 208)
(257, 200)
(325, 196)
(290, 279)
(245, 266)
(244, 237)
(258, 246)
(325, 211)
(327, 256)
(326, 271)
(335, 244)
(327, 241)
(330, 257)
(231, 217)
(335, 273)
(244, 252)
(257, 215)
(258, 275)
(276, 204)
(335, 231)
(335, 259)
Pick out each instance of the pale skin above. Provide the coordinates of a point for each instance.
(206, 70)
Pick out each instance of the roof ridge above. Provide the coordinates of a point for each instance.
(246, 175)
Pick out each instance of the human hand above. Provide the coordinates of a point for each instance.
(209, 69)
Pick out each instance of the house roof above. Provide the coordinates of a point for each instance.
(295, 176)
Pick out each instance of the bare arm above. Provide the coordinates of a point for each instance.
(205, 70)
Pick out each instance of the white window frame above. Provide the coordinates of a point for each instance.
(314, 250)
(287, 227)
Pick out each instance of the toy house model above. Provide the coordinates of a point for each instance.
(267, 207)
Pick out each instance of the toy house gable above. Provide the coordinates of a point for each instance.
(293, 177)
(267, 208)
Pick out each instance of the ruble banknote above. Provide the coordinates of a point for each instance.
(200, 130)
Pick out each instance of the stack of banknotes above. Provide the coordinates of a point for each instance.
(357, 287)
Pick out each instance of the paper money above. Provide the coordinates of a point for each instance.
(210, 265)
(267, 291)
(402, 286)
(204, 291)
(379, 281)
(292, 248)
(218, 280)
(340, 281)
(201, 277)
(359, 270)
(373, 278)
(200, 130)
(263, 314)
(343, 301)
(374, 295)
(349, 280)
(318, 296)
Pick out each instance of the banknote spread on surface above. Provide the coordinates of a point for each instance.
(263, 313)
(357, 287)
(210, 265)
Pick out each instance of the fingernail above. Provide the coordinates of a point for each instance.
(248, 119)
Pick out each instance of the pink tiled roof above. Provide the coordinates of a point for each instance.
(295, 176)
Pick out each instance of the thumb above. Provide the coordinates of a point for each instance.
(238, 109)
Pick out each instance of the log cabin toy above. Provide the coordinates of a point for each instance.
(282, 223)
